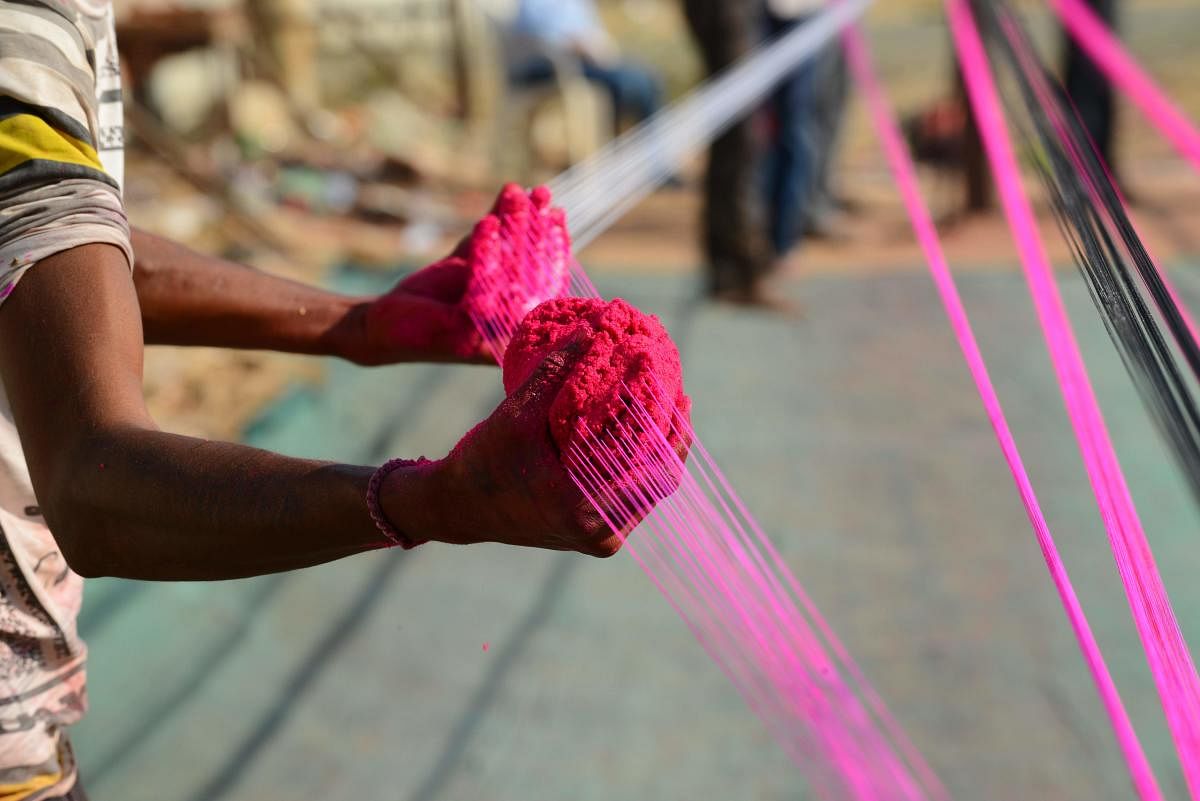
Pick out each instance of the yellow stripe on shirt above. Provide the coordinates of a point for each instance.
(24, 137)
(22, 790)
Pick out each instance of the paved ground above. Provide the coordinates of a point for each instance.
(856, 439)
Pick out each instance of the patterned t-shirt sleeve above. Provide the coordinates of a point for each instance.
(59, 170)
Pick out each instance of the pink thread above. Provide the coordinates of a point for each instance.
(926, 233)
(1167, 653)
(780, 655)
(758, 637)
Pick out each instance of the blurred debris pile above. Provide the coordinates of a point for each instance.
(275, 137)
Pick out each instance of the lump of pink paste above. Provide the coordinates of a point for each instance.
(627, 356)
(519, 255)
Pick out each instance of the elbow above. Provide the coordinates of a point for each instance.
(85, 528)
(80, 537)
(85, 566)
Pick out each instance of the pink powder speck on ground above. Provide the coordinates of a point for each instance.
(628, 358)
(486, 646)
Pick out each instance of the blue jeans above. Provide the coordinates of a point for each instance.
(635, 90)
(789, 165)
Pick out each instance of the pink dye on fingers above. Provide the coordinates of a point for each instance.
(519, 255)
(695, 551)
(444, 281)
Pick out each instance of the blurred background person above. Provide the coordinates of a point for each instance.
(737, 254)
(1088, 89)
(570, 33)
(790, 166)
(825, 203)
(946, 134)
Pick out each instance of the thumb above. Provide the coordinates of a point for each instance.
(534, 397)
(444, 281)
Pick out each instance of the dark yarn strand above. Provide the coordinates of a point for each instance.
(1104, 243)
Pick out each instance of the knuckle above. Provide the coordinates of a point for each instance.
(555, 362)
(607, 548)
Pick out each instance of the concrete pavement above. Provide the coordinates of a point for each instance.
(856, 439)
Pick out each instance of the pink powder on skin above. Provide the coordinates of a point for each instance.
(516, 257)
(627, 356)
(443, 281)
(439, 325)
(519, 255)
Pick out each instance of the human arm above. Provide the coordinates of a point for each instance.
(187, 298)
(124, 498)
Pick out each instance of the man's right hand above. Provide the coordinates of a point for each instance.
(505, 481)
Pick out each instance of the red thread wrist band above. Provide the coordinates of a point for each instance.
(394, 535)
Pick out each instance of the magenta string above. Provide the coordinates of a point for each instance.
(1166, 651)
(904, 172)
(753, 617)
(724, 643)
(780, 655)
(707, 469)
(1107, 52)
(746, 609)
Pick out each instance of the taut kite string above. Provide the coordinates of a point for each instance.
(1166, 651)
(902, 168)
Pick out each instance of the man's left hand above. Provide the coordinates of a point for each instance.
(422, 319)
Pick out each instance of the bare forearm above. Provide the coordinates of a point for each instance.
(125, 499)
(190, 299)
(146, 504)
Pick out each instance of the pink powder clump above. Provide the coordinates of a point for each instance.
(626, 356)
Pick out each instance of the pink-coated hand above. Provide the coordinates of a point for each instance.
(520, 256)
(515, 257)
(505, 481)
(422, 319)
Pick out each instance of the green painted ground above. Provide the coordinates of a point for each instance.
(856, 439)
